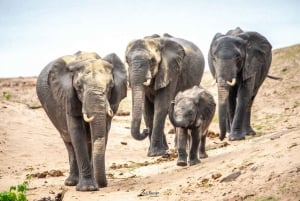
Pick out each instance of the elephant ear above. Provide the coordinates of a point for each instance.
(258, 53)
(60, 80)
(210, 54)
(119, 90)
(172, 54)
(205, 102)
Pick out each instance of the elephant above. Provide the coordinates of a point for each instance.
(192, 112)
(80, 93)
(240, 62)
(159, 67)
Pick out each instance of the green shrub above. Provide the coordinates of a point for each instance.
(15, 193)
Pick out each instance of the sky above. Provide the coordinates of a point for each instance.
(35, 32)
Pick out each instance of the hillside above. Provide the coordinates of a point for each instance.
(263, 167)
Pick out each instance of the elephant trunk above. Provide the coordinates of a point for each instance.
(96, 109)
(138, 95)
(223, 103)
(99, 138)
(173, 119)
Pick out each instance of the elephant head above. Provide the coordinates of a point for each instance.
(152, 63)
(233, 59)
(191, 108)
(91, 87)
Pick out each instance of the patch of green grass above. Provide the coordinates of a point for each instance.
(15, 193)
(258, 127)
(6, 95)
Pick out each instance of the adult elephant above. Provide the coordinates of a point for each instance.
(80, 94)
(159, 67)
(239, 61)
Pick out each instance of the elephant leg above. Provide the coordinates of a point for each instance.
(243, 102)
(181, 136)
(148, 115)
(79, 139)
(89, 142)
(231, 107)
(73, 178)
(193, 156)
(248, 130)
(202, 152)
(158, 143)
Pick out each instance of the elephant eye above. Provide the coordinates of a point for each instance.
(153, 61)
(78, 85)
(190, 113)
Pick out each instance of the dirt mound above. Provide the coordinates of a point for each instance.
(263, 167)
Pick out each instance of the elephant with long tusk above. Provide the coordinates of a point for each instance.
(80, 94)
(239, 61)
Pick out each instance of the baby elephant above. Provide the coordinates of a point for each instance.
(192, 111)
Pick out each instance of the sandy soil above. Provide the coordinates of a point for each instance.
(264, 167)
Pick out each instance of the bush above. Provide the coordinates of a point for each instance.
(15, 193)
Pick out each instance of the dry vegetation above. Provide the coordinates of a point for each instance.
(264, 167)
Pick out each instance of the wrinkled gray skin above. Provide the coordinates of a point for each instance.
(246, 57)
(80, 93)
(192, 112)
(159, 67)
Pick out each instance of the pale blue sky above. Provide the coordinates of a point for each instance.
(35, 32)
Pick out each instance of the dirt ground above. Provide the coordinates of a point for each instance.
(264, 167)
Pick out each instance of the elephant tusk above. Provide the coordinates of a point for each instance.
(109, 111)
(232, 83)
(88, 119)
(147, 83)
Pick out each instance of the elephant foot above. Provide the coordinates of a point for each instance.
(182, 157)
(194, 161)
(102, 184)
(182, 162)
(222, 136)
(71, 180)
(249, 131)
(87, 184)
(156, 151)
(236, 134)
(236, 137)
(203, 155)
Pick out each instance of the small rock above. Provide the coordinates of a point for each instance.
(212, 134)
(293, 145)
(216, 175)
(124, 143)
(204, 181)
(231, 177)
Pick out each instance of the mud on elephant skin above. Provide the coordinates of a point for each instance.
(159, 67)
(240, 62)
(191, 113)
(80, 94)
